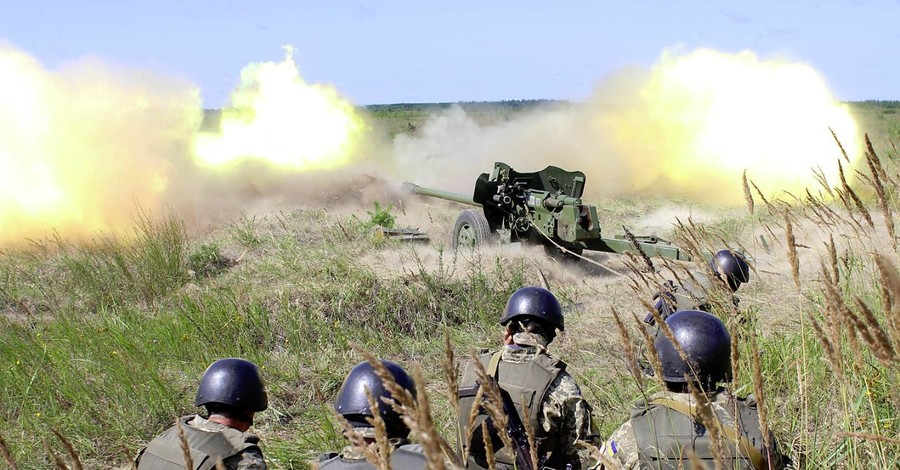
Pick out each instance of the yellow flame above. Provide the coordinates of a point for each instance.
(278, 118)
(706, 116)
(79, 147)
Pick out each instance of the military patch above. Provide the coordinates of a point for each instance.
(611, 448)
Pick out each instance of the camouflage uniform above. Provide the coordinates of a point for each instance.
(165, 451)
(563, 411)
(405, 456)
(676, 433)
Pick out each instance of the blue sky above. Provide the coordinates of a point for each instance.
(404, 51)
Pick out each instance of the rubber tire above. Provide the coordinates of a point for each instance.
(563, 257)
(476, 227)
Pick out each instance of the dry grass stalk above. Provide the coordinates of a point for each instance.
(652, 354)
(840, 146)
(70, 449)
(832, 355)
(819, 175)
(404, 402)
(854, 224)
(7, 455)
(628, 347)
(637, 246)
(488, 446)
(762, 197)
(185, 448)
(876, 182)
(791, 244)
(759, 391)
(709, 420)
(356, 440)
(735, 327)
(694, 460)
(825, 216)
(451, 374)
(880, 344)
(832, 256)
(382, 442)
(879, 168)
(493, 402)
(748, 196)
(890, 290)
(837, 313)
(598, 454)
(529, 433)
(56, 460)
(871, 437)
(473, 414)
(855, 197)
(433, 444)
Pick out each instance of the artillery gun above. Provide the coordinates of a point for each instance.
(542, 207)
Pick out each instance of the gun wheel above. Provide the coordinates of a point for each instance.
(470, 230)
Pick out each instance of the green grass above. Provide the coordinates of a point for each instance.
(114, 355)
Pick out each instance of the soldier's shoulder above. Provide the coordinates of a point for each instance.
(621, 447)
(564, 384)
(250, 458)
(414, 452)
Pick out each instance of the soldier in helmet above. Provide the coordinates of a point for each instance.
(730, 267)
(232, 391)
(524, 370)
(353, 404)
(666, 426)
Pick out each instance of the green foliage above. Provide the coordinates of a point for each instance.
(208, 261)
(245, 232)
(381, 216)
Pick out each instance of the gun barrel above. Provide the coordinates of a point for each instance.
(447, 195)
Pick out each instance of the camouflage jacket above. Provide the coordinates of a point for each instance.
(563, 410)
(627, 450)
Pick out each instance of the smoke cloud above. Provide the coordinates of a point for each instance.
(81, 145)
(84, 146)
(686, 128)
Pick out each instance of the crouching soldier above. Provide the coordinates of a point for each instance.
(666, 428)
(731, 270)
(532, 379)
(353, 404)
(232, 391)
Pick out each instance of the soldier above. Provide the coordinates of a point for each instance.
(524, 370)
(353, 404)
(232, 391)
(663, 429)
(731, 269)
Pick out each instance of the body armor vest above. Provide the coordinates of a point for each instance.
(206, 448)
(526, 382)
(407, 457)
(666, 429)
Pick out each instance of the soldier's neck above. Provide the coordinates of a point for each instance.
(238, 424)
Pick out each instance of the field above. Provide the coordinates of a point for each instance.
(103, 341)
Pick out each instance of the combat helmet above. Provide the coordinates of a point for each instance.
(235, 383)
(534, 302)
(706, 343)
(353, 404)
(733, 266)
